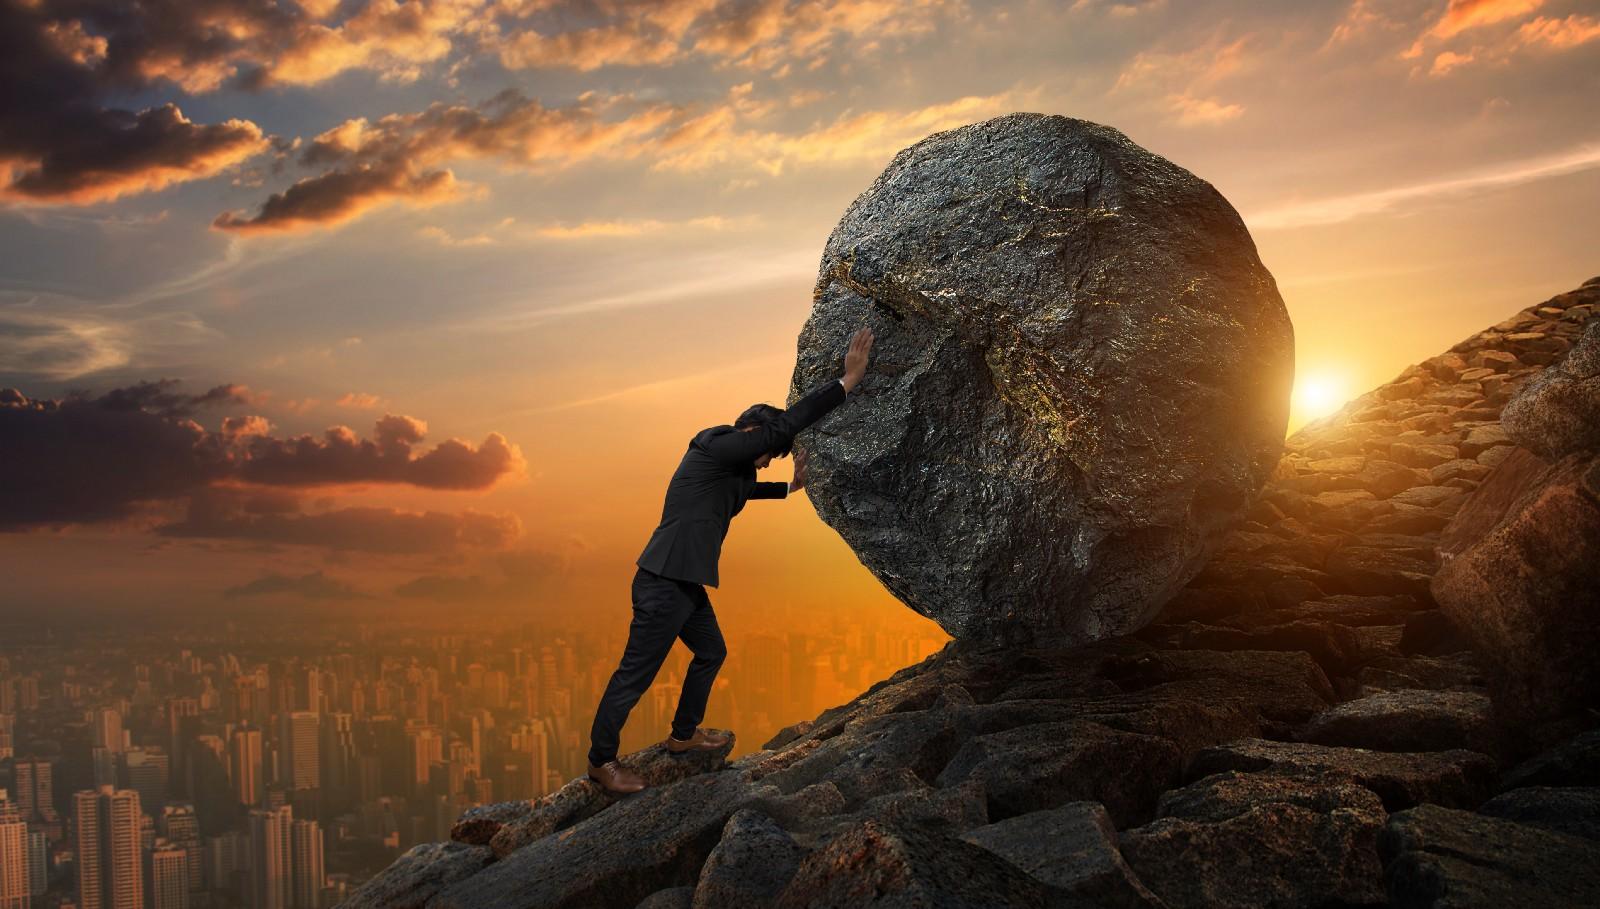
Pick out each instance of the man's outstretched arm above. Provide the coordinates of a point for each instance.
(738, 448)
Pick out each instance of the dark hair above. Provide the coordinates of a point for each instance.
(762, 415)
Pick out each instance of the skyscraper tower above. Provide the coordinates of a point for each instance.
(298, 742)
(38, 869)
(109, 866)
(13, 855)
(337, 757)
(245, 766)
(145, 770)
(307, 868)
(107, 730)
(270, 850)
(35, 795)
(181, 827)
(169, 876)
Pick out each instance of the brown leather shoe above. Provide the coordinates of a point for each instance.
(615, 778)
(700, 741)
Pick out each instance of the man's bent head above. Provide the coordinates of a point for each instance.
(756, 416)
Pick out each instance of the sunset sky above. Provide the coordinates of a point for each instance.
(352, 302)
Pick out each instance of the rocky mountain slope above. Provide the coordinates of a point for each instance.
(1301, 726)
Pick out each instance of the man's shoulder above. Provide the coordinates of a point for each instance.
(710, 432)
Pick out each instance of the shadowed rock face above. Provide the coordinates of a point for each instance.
(1080, 381)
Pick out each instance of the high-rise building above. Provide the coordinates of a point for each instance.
(214, 799)
(245, 766)
(227, 863)
(106, 731)
(168, 875)
(426, 747)
(28, 692)
(144, 770)
(14, 889)
(307, 868)
(270, 858)
(181, 827)
(7, 732)
(183, 724)
(298, 743)
(38, 863)
(109, 866)
(337, 754)
(35, 795)
(308, 694)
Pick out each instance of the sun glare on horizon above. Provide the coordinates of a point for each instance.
(1317, 395)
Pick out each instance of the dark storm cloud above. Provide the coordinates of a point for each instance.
(313, 586)
(59, 143)
(402, 157)
(85, 459)
(340, 456)
(340, 195)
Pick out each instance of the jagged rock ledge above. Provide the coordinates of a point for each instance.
(1303, 702)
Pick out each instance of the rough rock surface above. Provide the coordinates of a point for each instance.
(1080, 378)
(1189, 737)
(1439, 857)
(1408, 720)
(1518, 571)
(1565, 809)
(1073, 847)
(1310, 840)
(1558, 412)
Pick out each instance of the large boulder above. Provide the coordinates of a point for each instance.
(1518, 574)
(1558, 411)
(1080, 381)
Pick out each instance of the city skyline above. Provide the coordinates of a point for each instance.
(277, 766)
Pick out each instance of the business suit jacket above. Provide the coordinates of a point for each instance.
(713, 481)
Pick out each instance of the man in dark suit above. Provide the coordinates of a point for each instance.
(713, 481)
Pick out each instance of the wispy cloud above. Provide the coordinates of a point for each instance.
(645, 388)
(718, 274)
(1334, 209)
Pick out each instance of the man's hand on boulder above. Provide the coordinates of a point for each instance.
(799, 481)
(855, 360)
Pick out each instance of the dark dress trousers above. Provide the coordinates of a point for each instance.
(713, 481)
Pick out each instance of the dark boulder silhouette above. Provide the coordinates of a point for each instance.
(1080, 380)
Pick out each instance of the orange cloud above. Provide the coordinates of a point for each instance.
(1462, 15)
(1559, 34)
(1192, 110)
(1447, 61)
(1186, 81)
(1542, 34)
(764, 35)
(358, 400)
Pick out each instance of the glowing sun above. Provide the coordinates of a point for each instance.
(1319, 394)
